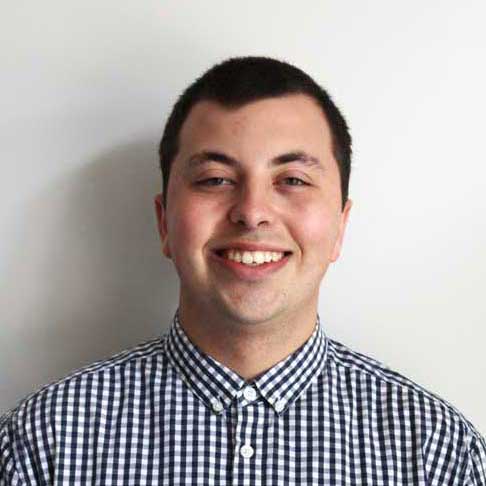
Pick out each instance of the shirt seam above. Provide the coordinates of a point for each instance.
(475, 438)
(15, 444)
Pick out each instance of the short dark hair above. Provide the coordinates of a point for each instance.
(241, 80)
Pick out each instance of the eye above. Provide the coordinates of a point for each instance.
(296, 181)
(212, 181)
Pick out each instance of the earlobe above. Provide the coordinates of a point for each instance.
(342, 227)
(162, 225)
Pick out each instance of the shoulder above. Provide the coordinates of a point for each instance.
(45, 420)
(439, 429)
(99, 380)
(345, 360)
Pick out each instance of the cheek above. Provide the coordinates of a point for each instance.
(317, 229)
(189, 228)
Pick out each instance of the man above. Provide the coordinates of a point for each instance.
(245, 387)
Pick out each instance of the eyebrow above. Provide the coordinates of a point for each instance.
(299, 156)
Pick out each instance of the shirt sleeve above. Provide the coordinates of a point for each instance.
(8, 472)
(477, 472)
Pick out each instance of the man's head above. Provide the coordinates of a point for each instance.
(255, 176)
(238, 81)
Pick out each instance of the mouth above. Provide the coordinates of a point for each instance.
(250, 266)
(251, 258)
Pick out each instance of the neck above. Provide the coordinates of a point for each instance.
(247, 349)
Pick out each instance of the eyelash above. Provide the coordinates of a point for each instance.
(204, 182)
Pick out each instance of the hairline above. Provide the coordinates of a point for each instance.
(231, 106)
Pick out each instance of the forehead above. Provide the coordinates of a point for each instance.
(295, 121)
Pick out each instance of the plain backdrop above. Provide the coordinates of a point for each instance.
(85, 91)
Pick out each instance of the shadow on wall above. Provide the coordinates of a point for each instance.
(86, 276)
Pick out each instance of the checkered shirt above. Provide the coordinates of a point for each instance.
(165, 413)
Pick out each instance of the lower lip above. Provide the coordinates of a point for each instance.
(247, 272)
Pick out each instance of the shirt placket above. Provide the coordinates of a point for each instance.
(248, 422)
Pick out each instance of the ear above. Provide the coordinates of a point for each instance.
(342, 227)
(162, 225)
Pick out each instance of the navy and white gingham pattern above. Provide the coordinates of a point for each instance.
(165, 413)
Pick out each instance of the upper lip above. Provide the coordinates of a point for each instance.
(243, 245)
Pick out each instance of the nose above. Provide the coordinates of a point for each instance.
(252, 206)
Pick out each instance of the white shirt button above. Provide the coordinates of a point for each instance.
(279, 405)
(247, 451)
(249, 393)
(217, 405)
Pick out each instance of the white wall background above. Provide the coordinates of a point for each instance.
(85, 91)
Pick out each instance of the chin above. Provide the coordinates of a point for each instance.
(251, 312)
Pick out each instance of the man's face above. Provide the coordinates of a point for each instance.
(258, 196)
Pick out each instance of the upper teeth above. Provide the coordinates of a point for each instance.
(253, 257)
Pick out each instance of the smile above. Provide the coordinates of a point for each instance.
(250, 265)
(252, 258)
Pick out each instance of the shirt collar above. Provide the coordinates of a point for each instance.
(217, 385)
